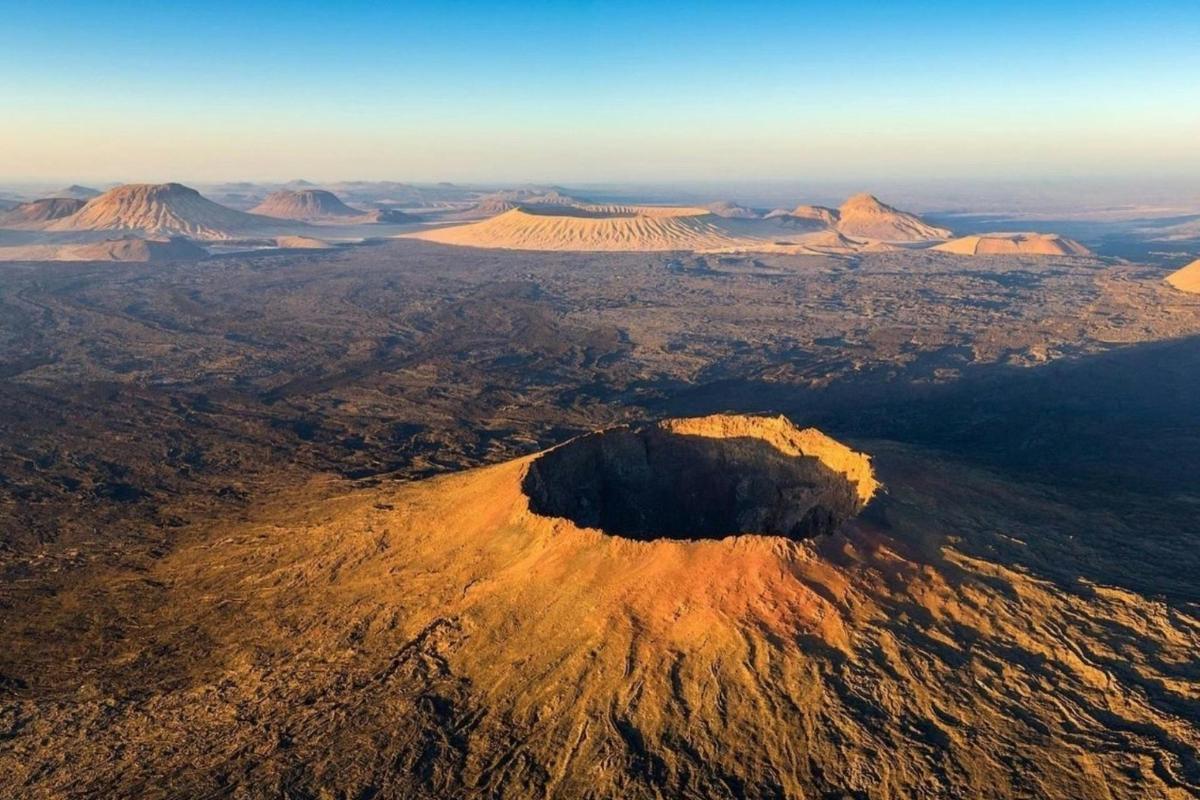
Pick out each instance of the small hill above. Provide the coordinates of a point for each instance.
(1186, 279)
(303, 243)
(387, 216)
(78, 192)
(305, 204)
(1029, 244)
(133, 248)
(864, 216)
(826, 216)
(731, 210)
(163, 210)
(37, 213)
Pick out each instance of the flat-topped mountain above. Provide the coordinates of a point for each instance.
(863, 222)
(1007, 244)
(594, 228)
(490, 205)
(163, 210)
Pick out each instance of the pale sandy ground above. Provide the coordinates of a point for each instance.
(1187, 279)
(861, 222)
(641, 228)
(1041, 244)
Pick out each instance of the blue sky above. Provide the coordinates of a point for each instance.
(597, 91)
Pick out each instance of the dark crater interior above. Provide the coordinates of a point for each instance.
(654, 484)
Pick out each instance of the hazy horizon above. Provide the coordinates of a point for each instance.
(599, 92)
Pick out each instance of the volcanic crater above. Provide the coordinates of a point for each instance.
(707, 478)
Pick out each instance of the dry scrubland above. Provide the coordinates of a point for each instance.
(278, 526)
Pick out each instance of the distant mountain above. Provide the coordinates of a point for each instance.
(731, 210)
(38, 213)
(78, 192)
(304, 204)
(864, 216)
(1035, 244)
(387, 216)
(490, 205)
(826, 216)
(319, 205)
(163, 209)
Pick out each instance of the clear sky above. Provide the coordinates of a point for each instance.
(597, 91)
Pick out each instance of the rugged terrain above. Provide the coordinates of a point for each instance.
(245, 552)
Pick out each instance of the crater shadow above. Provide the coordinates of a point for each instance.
(656, 484)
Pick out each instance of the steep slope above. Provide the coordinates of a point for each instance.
(304, 204)
(166, 209)
(38, 213)
(1037, 244)
(864, 216)
(689, 609)
(1186, 279)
